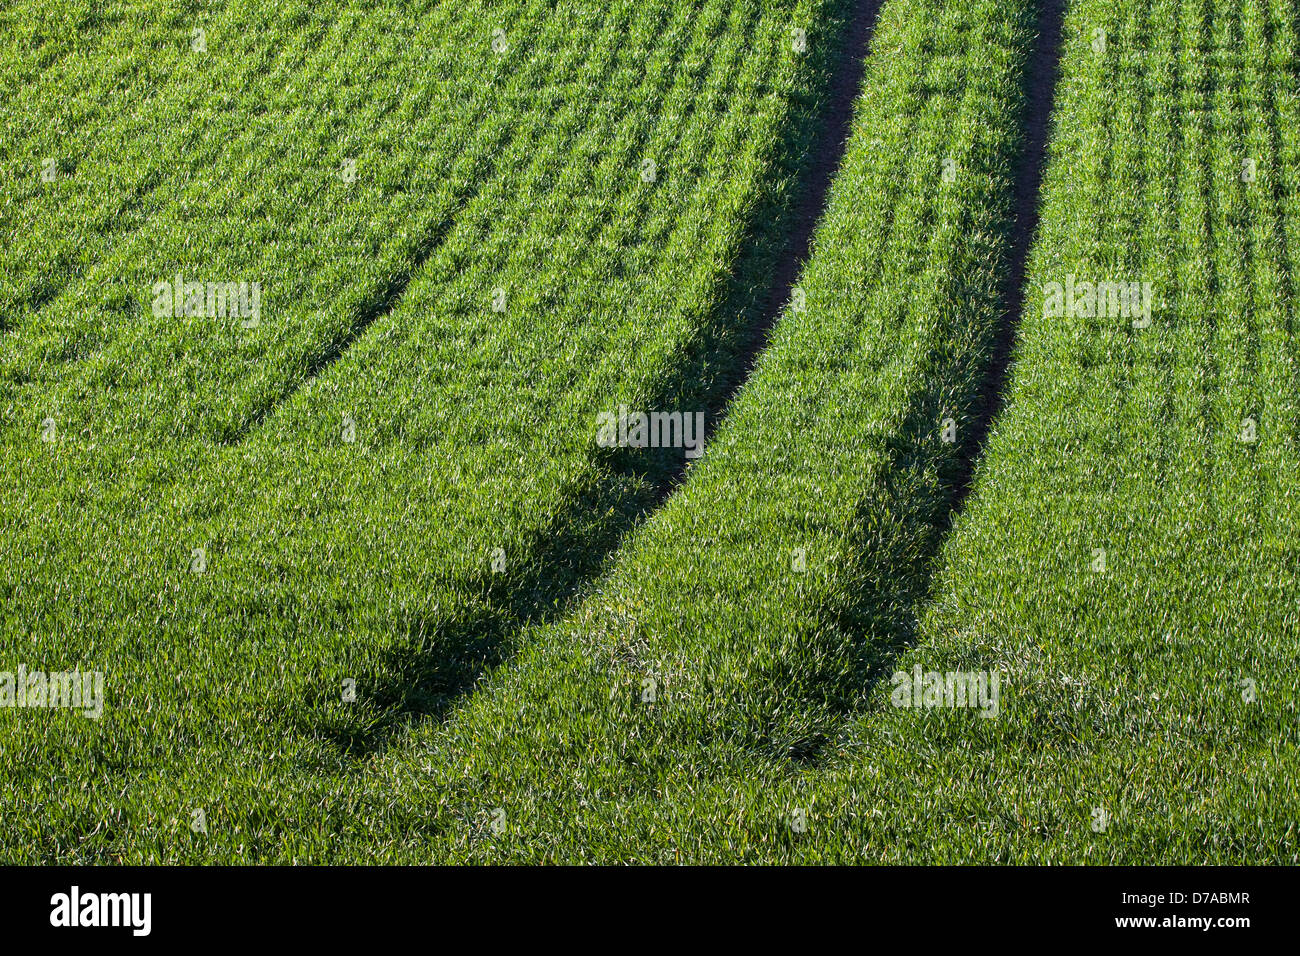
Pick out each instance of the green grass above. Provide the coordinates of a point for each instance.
(666, 670)
(128, 113)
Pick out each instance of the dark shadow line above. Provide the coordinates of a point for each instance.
(827, 155)
(789, 236)
(1044, 71)
(379, 303)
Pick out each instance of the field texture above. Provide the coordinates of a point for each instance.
(309, 318)
(395, 460)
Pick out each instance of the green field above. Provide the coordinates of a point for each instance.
(364, 581)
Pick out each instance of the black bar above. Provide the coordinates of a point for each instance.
(342, 906)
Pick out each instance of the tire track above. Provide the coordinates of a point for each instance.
(798, 224)
(1044, 70)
